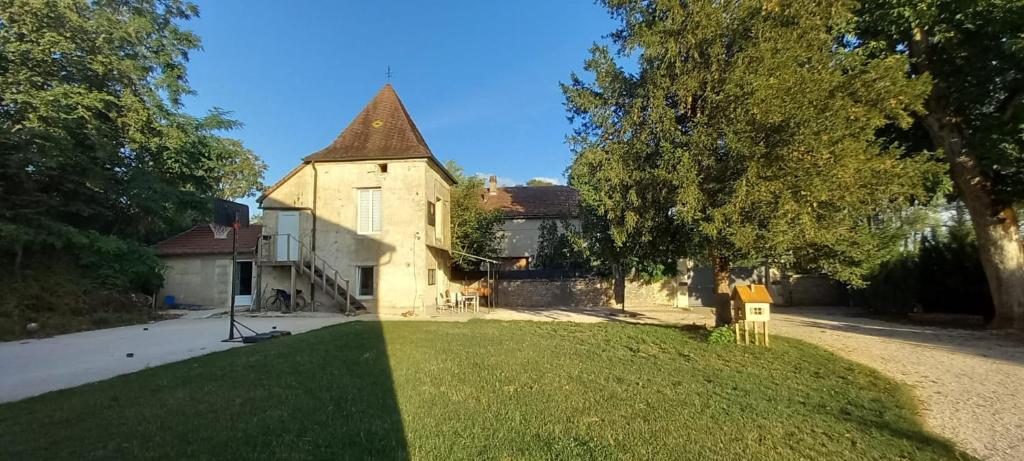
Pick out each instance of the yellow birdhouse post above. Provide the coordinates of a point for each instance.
(751, 305)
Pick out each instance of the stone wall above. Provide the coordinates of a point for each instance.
(813, 290)
(793, 290)
(583, 292)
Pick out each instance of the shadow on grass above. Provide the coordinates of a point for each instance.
(327, 394)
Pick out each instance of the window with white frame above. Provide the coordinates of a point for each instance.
(369, 211)
(365, 282)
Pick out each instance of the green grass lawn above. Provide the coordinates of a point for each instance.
(483, 390)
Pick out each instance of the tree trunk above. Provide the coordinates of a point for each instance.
(619, 286)
(995, 224)
(723, 307)
(19, 250)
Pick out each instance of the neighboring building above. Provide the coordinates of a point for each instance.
(373, 206)
(524, 209)
(199, 268)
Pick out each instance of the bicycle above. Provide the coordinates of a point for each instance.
(281, 301)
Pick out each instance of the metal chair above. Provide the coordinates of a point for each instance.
(444, 302)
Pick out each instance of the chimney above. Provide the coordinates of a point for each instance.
(493, 188)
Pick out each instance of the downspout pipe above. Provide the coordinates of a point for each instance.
(312, 245)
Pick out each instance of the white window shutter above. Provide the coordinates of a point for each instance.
(365, 205)
(375, 210)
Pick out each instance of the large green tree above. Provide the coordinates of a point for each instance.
(974, 115)
(475, 230)
(625, 203)
(92, 132)
(752, 126)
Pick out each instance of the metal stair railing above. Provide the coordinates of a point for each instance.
(309, 263)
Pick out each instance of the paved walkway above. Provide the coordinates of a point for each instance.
(36, 366)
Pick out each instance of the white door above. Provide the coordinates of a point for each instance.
(288, 224)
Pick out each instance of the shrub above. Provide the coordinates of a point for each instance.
(74, 280)
(722, 335)
(944, 275)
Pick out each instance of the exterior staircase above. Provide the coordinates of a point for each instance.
(305, 262)
(327, 278)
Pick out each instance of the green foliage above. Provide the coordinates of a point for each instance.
(96, 154)
(91, 128)
(974, 51)
(537, 182)
(722, 335)
(746, 133)
(944, 275)
(475, 230)
(117, 264)
(556, 250)
(62, 295)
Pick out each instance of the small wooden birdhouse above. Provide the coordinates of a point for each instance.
(751, 303)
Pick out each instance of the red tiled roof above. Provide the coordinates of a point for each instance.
(534, 201)
(199, 241)
(383, 130)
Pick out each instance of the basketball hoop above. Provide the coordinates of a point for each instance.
(220, 232)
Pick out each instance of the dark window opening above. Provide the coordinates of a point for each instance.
(243, 282)
(366, 282)
(431, 276)
(383, 167)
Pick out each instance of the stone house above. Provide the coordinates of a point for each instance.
(199, 270)
(370, 209)
(524, 209)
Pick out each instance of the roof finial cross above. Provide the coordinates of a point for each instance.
(388, 74)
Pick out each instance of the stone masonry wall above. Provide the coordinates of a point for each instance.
(582, 292)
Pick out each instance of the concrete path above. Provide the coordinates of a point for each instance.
(36, 366)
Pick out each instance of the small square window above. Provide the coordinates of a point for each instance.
(431, 276)
(383, 167)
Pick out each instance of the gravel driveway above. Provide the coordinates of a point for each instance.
(970, 383)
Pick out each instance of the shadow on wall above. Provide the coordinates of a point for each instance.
(344, 250)
(702, 283)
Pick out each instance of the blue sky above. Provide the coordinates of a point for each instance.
(479, 78)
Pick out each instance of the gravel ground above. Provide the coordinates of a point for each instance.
(970, 383)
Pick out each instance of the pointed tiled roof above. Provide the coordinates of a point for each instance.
(383, 130)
